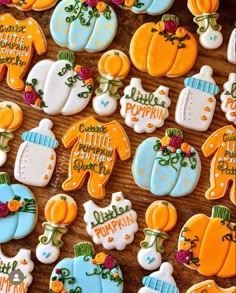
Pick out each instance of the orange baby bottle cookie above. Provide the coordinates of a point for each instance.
(18, 39)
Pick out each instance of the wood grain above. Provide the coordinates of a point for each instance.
(121, 179)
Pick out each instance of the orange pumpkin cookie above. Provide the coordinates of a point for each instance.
(37, 5)
(223, 165)
(208, 245)
(210, 286)
(18, 38)
(163, 49)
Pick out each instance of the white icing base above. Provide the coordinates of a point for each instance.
(149, 259)
(47, 254)
(3, 158)
(104, 105)
(231, 49)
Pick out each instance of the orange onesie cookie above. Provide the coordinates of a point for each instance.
(222, 143)
(37, 5)
(94, 153)
(18, 39)
(210, 286)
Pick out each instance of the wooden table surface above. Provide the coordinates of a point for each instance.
(122, 179)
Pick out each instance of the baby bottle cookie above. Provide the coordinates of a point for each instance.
(60, 211)
(231, 51)
(15, 272)
(144, 111)
(161, 217)
(87, 271)
(19, 38)
(170, 160)
(71, 84)
(103, 224)
(202, 238)
(211, 287)
(221, 144)
(228, 98)
(37, 5)
(36, 157)
(205, 18)
(113, 66)
(11, 118)
(18, 210)
(163, 48)
(161, 281)
(94, 23)
(196, 104)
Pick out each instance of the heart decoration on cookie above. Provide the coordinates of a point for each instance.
(25, 5)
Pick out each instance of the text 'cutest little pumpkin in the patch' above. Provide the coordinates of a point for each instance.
(164, 48)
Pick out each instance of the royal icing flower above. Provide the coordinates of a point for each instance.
(171, 26)
(13, 205)
(116, 275)
(85, 72)
(57, 286)
(28, 88)
(92, 3)
(185, 147)
(129, 3)
(58, 271)
(100, 258)
(165, 141)
(101, 6)
(82, 1)
(184, 256)
(110, 262)
(185, 245)
(118, 2)
(160, 26)
(176, 141)
(5, 1)
(38, 102)
(180, 32)
(4, 210)
(30, 97)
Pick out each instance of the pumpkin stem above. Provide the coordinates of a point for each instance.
(4, 178)
(116, 53)
(165, 203)
(173, 17)
(221, 212)
(174, 131)
(83, 249)
(66, 55)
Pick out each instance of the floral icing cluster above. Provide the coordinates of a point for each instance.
(128, 3)
(58, 281)
(33, 97)
(17, 204)
(5, 1)
(99, 5)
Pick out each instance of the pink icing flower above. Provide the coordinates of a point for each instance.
(184, 256)
(110, 262)
(58, 271)
(4, 210)
(5, 1)
(176, 141)
(30, 97)
(85, 73)
(118, 2)
(171, 26)
(92, 3)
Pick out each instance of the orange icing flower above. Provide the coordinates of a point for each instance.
(57, 286)
(101, 6)
(173, 150)
(37, 102)
(78, 67)
(185, 147)
(100, 258)
(116, 275)
(28, 88)
(165, 141)
(82, 1)
(160, 26)
(13, 205)
(180, 32)
(185, 245)
(129, 3)
(88, 81)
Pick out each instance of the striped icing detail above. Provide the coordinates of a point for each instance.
(202, 85)
(158, 285)
(40, 139)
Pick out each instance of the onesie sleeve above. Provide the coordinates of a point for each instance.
(38, 37)
(122, 142)
(71, 135)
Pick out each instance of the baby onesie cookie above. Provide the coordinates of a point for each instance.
(60, 211)
(87, 271)
(170, 160)
(36, 157)
(231, 49)
(95, 146)
(88, 25)
(161, 281)
(19, 38)
(205, 18)
(202, 238)
(11, 118)
(71, 84)
(228, 98)
(144, 111)
(210, 286)
(15, 272)
(18, 210)
(163, 48)
(113, 66)
(161, 217)
(113, 226)
(153, 7)
(221, 144)
(25, 5)
(196, 104)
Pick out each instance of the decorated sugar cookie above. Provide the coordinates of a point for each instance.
(71, 84)
(15, 272)
(153, 7)
(113, 66)
(202, 238)
(205, 18)
(210, 286)
(161, 281)
(161, 217)
(144, 111)
(60, 211)
(94, 23)
(36, 157)
(196, 104)
(18, 211)
(163, 48)
(113, 226)
(25, 5)
(11, 118)
(170, 160)
(231, 49)
(95, 146)
(221, 144)
(228, 98)
(18, 38)
(87, 271)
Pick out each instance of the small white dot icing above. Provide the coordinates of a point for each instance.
(222, 184)
(30, 22)
(219, 159)
(29, 37)
(216, 175)
(223, 144)
(93, 190)
(212, 193)
(211, 145)
(114, 128)
(12, 80)
(74, 183)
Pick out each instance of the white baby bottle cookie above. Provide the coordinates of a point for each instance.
(144, 111)
(196, 104)
(231, 49)
(228, 98)
(36, 157)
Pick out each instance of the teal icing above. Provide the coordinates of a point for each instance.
(40, 139)
(159, 285)
(202, 85)
(153, 7)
